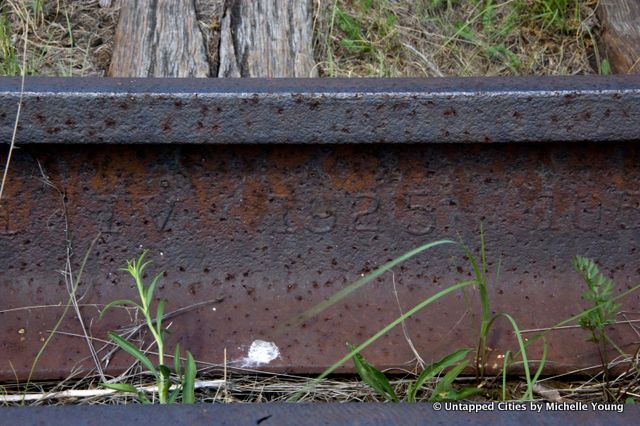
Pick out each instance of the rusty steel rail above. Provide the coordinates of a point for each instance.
(312, 111)
(261, 198)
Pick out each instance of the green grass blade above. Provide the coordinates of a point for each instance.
(481, 276)
(160, 315)
(176, 360)
(349, 25)
(411, 392)
(507, 356)
(118, 303)
(487, 17)
(498, 269)
(143, 399)
(474, 263)
(173, 396)
(152, 288)
(543, 360)
(165, 383)
(133, 351)
(605, 67)
(463, 393)
(434, 369)
(120, 387)
(483, 255)
(444, 385)
(480, 272)
(315, 310)
(140, 267)
(136, 265)
(127, 388)
(373, 377)
(523, 352)
(385, 330)
(189, 380)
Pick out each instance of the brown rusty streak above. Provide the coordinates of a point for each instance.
(15, 206)
(203, 182)
(359, 177)
(254, 202)
(282, 166)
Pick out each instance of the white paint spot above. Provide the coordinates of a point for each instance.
(260, 353)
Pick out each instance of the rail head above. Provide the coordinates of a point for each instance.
(322, 111)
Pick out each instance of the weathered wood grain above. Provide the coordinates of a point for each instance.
(621, 34)
(158, 38)
(269, 38)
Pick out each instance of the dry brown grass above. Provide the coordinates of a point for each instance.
(66, 37)
(394, 38)
(239, 385)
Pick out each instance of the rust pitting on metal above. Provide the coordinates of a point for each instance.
(273, 234)
(402, 110)
(267, 231)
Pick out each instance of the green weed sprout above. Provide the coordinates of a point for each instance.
(455, 361)
(480, 271)
(443, 391)
(600, 292)
(161, 372)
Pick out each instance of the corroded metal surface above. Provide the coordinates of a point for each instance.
(262, 233)
(269, 231)
(312, 414)
(323, 111)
